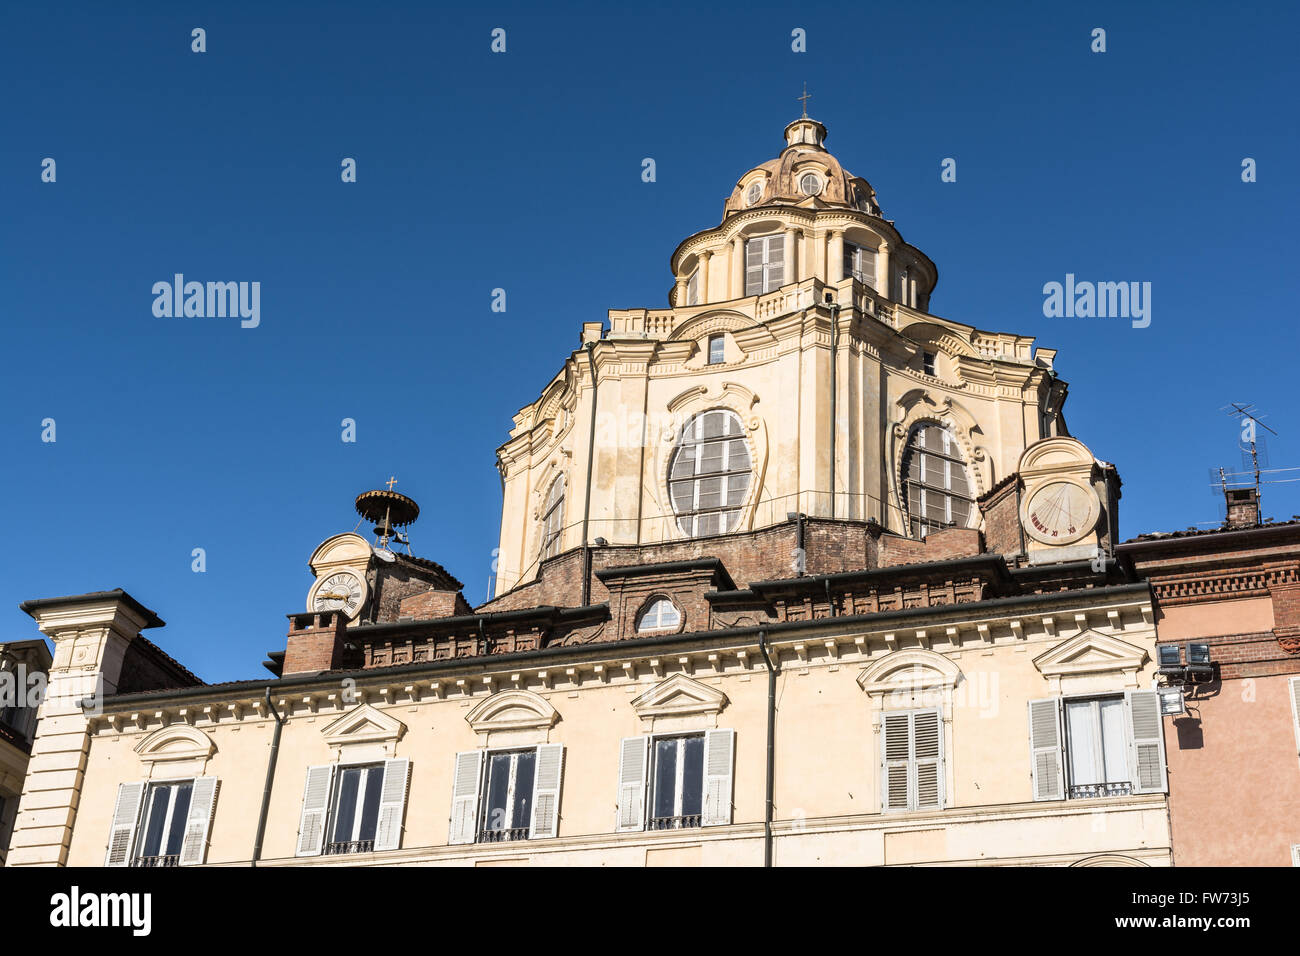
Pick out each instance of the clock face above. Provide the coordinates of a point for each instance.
(1061, 512)
(340, 591)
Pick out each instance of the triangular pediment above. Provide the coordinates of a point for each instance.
(1090, 652)
(363, 724)
(680, 694)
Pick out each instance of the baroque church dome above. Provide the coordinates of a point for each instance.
(805, 174)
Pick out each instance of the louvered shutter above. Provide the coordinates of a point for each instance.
(315, 809)
(465, 796)
(126, 817)
(1295, 709)
(719, 760)
(392, 804)
(1295, 855)
(633, 760)
(1147, 735)
(1045, 749)
(203, 802)
(927, 759)
(895, 754)
(546, 791)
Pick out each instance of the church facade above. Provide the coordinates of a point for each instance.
(791, 572)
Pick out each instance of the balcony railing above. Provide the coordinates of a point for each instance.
(1084, 791)
(675, 823)
(350, 846)
(152, 861)
(504, 835)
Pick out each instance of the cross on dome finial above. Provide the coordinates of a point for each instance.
(390, 482)
(804, 99)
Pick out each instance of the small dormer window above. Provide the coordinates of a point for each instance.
(661, 615)
(717, 349)
(927, 363)
(810, 184)
(753, 194)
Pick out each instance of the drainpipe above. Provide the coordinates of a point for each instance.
(835, 328)
(591, 460)
(771, 746)
(270, 775)
(798, 519)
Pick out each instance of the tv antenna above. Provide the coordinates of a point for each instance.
(1254, 458)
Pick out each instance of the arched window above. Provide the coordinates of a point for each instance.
(553, 519)
(936, 489)
(661, 615)
(710, 474)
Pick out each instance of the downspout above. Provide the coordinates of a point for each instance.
(771, 747)
(591, 460)
(270, 775)
(835, 328)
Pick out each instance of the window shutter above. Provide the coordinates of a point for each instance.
(315, 808)
(465, 796)
(1295, 855)
(1147, 736)
(203, 802)
(719, 759)
(633, 758)
(1295, 710)
(546, 791)
(1045, 748)
(126, 817)
(927, 755)
(895, 750)
(392, 804)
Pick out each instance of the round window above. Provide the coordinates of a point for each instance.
(753, 194)
(810, 184)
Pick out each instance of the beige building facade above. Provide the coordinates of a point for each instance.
(792, 572)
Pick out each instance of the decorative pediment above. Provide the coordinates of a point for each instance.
(915, 669)
(679, 695)
(512, 710)
(1090, 652)
(177, 742)
(363, 725)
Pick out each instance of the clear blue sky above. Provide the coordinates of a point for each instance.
(478, 171)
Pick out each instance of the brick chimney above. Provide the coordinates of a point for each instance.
(1243, 507)
(315, 643)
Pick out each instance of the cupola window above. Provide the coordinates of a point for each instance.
(860, 262)
(661, 615)
(810, 184)
(693, 288)
(717, 349)
(936, 488)
(764, 264)
(553, 519)
(710, 474)
(753, 194)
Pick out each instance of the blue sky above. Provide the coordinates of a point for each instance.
(479, 170)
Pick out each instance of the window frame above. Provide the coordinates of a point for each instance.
(514, 831)
(1107, 788)
(657, 601)
(752, 198)
(771, 275)
(553, 537)
(854, 255)
(679, 820)
(913, 761)
(729, 516)
(173, 828)
(920, 524)
(358, 810)
(693, 287)
(817, 178)
(720, 340)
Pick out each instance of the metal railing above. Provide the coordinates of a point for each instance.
(349, 846)
(155, 861)
(1084, 791)
(504, 835)
(684, 822)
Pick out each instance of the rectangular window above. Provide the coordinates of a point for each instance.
(860, 263)
(693, 288)
(677, 782)
(508, 796)
(927, 363)
(764, 264)
(717, 349)
(911, 760)
(1096, 748)
(167, 806)
(1293, 685)
(355, 813)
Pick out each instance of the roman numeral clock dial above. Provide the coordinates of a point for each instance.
(340, 591)
(1061, 512)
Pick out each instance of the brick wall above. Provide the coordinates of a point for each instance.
(938, 546)
(433, 604)
(315, 643)
(1001, 509)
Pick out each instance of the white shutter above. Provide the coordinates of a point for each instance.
(315, 808)
(546, 791)
(392, 804)
(1294, 685)
(126, 817)
(1146, 731)
(465, 796)
(633, 760)
(719, 759)
(1295, 855)
(927, 759)
(203, 802)
(1045, 748)
(895, 754)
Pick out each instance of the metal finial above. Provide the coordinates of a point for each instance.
(805, 98)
